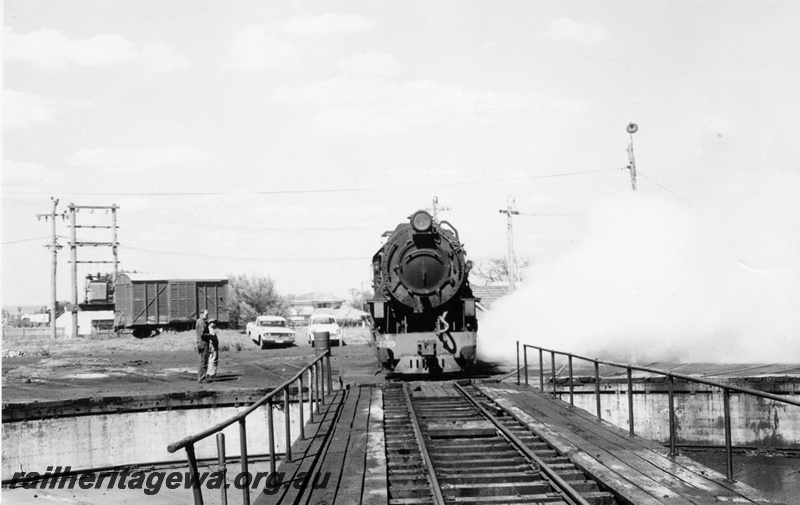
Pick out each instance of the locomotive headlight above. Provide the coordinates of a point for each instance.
(421, 221)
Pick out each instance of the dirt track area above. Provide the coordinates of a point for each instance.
(167, 363)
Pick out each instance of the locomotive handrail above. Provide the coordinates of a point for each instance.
(671, 376)
(453, 228)
(316, 371)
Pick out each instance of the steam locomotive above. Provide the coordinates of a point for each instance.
(423, 310)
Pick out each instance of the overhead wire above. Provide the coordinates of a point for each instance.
(639, 172)
(314, 190)
(247, 258)
(260, 228)
(20, 202)
(26, 240)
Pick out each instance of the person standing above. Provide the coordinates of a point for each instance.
(213, 346)
(201, 329)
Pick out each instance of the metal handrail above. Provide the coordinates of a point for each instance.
(317, 385)
(726, 391)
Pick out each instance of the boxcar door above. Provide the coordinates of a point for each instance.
(213, 296)
(148, 302)
(183, 301)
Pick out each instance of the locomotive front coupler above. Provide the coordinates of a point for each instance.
(426, 348)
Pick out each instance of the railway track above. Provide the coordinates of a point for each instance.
(461, 448)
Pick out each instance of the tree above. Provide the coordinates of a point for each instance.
(251, 296)
(495, 269)
(358, 298)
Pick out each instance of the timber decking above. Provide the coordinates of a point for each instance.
(634, 468)
(344, 453)
(342, 459)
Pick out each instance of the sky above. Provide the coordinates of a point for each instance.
(283, 138)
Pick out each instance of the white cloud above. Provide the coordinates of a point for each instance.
(364, 101)
(366, 108)
(130, 170)
(325, 24)
(253, 48)
(161, 59)
(371, 65)
(567, 30)
(18, 176)
(21, 109)
(137, 160)
(53, 51)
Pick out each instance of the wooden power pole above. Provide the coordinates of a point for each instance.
(74, 244)
(436, 208)
(511, 261)
(54, 247)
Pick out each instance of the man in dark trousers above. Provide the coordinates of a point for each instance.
(203, 344)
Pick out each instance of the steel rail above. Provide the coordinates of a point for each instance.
(560, 485)
(436, 489)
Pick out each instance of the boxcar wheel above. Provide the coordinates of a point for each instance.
(141, 332)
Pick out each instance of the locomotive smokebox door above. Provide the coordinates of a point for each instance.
(426, 348)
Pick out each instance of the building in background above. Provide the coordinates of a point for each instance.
(488, 295)
(89, 322)
(301, 307)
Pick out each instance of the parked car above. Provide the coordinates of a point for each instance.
(266, 330)
(323, 322)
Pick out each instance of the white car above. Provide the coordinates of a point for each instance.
(323, 322)
(266, 330)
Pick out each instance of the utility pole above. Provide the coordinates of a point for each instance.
(54, 247)
(632, 128)
(511, 261)
(435, 209)
(74, 244)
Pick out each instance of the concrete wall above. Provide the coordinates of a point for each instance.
(699, 417)
(131, 438)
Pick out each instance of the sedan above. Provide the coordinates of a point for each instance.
(323, 322)
(270, 330)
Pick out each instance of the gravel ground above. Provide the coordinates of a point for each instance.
(89, 368)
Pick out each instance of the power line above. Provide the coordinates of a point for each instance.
(662, 186)
(19, 202)
(317, 191)
(246, 258)
(569, 174)
(261, 228)
(25, 240)
(553, 214)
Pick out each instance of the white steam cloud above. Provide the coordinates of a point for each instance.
(660, 280)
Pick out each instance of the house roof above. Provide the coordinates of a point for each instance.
(144, 277)
(316, 296)
(301, 311)
(489, 294)
(348, 313)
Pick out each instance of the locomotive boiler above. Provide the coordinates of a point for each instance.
(423, 310)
